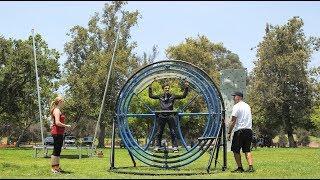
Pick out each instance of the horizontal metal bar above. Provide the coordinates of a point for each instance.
(138, 115)
(179, 114)
(196, 114)
(166, 111)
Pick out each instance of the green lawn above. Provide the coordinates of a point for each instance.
(268, 162)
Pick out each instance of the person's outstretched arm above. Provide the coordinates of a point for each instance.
(185, 92)
(151, 95)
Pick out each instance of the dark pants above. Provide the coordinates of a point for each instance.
(162, 121)
(57, 144)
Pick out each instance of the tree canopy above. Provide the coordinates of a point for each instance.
(18, 100)
(280, 90)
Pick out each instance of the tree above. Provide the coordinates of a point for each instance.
(280, 90)
(209, 56)
(315, 116)
(18, 100)
(89, 54)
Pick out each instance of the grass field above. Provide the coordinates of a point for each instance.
(268, 162)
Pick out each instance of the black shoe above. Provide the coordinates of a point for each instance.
(250, 170)
(238, 170)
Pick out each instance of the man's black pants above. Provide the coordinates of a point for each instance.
(162, 121)
(242, 139)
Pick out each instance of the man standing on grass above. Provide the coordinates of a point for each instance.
(241, 121)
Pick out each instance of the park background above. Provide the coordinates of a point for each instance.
(277, 44)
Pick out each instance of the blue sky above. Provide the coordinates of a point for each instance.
(238, 25)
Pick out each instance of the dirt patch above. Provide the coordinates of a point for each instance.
(314, 144)
(6, 146)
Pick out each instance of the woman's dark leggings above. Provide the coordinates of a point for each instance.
(57, 144)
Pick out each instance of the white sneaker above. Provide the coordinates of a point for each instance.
(175, 149)
(54, 171)
(156, 148)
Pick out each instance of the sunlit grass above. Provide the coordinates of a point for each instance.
(268, 162)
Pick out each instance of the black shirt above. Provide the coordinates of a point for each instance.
(167, 99)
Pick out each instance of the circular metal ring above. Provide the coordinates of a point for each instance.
(170, 69)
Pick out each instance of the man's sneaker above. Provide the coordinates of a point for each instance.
(61, 170)
(55, 171)
(238, 170)
(250, 170)
(156, 149)
(175, 149)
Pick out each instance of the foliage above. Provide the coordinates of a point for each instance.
(18, 100)
(303, 138)
(280, 91)
(89, 53)
(315, 116)
(209, 56)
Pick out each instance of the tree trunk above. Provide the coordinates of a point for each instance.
(21, 135)
(292, 143)
(102, 134)
(8, 140)
(289, 130)
(288, 125)
(20, 138)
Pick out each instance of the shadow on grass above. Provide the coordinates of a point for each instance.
(67, 172)
(151, 171)
(69, 156)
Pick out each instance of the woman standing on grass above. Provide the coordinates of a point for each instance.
(57, 131)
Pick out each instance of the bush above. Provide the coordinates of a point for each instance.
(283, 140)
(303, 138)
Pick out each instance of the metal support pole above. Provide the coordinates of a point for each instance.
(214, 150)
(218, 147)
(222, 136)
(132, 158)
(38, 89)
(107, 83)
(112, 144)
(224, 141)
